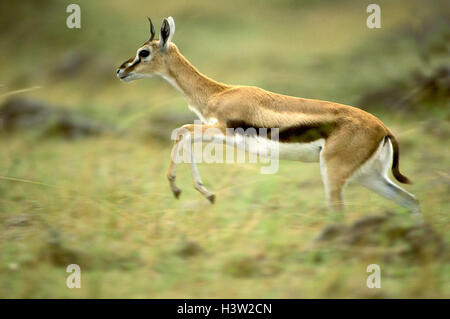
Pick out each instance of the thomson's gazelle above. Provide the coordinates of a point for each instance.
(349, 143)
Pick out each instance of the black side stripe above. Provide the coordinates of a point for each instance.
(295, 134)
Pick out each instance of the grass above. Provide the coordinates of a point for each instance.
(105, 203)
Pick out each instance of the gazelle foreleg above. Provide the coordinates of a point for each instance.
(171, 173)
(198, 184)
(187, 136)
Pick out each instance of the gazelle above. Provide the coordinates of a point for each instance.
(349, 144)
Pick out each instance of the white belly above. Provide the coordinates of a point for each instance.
(304, 152)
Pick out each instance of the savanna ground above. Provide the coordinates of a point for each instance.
(103, 202)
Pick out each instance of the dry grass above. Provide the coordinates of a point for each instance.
(105, 204)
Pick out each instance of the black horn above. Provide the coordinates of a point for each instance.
(152, 29)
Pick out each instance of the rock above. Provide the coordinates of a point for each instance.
(74, 127)
(56, 252)
(389, 235)
(18, 113)
(330, 232)
(242, 267)
(188, 249)
(368, 222)
(424, 240)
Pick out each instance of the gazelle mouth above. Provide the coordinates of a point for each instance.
(124, 77)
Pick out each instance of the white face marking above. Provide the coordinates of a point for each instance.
(132, 75)
(137, 57)
(147, 58)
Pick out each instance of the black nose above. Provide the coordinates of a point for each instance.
(118, 70)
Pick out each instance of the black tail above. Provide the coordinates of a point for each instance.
(395, 162)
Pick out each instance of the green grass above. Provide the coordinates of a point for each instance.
(105, 203)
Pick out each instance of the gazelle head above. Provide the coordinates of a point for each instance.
(151, 57)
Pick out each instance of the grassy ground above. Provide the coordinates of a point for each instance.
(104, 202)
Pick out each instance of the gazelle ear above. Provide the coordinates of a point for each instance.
(167, 32)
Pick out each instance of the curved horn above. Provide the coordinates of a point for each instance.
(152, 29)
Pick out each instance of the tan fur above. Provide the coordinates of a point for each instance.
(352, 135)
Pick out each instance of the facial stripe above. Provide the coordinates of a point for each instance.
(133, 64)
(124, 64)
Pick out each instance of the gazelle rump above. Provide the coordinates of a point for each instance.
(349, 143)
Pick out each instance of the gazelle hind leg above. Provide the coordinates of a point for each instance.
(334, 186)
(338, 162)
(374, 177)
(383, 186)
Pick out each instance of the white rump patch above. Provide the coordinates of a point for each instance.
(378, 163)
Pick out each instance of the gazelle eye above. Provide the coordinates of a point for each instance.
(144, 53)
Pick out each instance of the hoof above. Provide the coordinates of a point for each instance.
(176, 193)
(211, 198)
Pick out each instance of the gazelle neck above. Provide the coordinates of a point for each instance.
(196, 87)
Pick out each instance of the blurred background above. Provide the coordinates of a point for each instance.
(84, 156)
